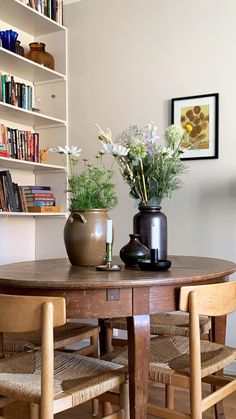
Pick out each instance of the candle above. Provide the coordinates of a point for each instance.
(109, 231)
(154, 235)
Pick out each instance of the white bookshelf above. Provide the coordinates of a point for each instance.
(41, 233)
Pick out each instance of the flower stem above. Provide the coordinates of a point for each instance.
(143, 179)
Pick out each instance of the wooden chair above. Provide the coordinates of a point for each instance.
(188, 361)
(69, 334)
(173, 324)
(52, 381)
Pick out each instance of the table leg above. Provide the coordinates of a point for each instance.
(138, 349)
(218, 335)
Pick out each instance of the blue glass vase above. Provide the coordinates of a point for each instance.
(8, 39)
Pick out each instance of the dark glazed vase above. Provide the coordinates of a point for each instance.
(134, 251)
(38, 54)
(19, 49)
(142, 224)
(85, 237)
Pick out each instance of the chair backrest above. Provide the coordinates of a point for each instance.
(212, 300)
(24, 313)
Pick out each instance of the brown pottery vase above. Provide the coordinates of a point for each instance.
(85, 237)
(142, 224)
(38, 54)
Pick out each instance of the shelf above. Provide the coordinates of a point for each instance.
(33, 214)
(27, 19)
(22, 116)
(28, 165)
(29, 70)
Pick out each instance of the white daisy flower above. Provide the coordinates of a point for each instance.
(115, 149)
(70, 150)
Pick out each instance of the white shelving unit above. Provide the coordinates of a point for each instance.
(41, 233)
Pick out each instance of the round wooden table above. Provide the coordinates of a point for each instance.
(129, 293)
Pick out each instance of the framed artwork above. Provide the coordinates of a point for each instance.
(198, 115)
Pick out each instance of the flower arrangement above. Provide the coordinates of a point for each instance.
(92, 187)
(150, 170)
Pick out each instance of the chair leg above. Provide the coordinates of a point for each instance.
(107, 409)
(34, 411)
(169, 396)
(95, 407)
(94, 342)
(108, 340)
(124, 398)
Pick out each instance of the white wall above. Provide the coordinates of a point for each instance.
(127, 59)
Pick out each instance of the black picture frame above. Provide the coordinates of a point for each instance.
(199, 115)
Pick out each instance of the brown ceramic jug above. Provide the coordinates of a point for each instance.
(38, 54)
(85, 237)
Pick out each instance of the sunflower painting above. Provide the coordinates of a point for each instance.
(198, 115)
(195, 119)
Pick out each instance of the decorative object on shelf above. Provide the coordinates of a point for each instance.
(199, 116)
(151, 223)
(134, 251)
(8, 39)
(19, 49)
(151, 171)
(91, 195)
(43, 153)
(38, 54)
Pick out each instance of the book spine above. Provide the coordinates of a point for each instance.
(49, 9)
(23, 96)
(4, 88)
(40, 197)
(36, 145)
(29, 91)
(37, 187)
(40, 203)
(10, 191)
(54, 9)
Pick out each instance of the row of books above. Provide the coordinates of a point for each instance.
(50, 8)
(39, 196)
(15, 93)
(19, 144)
(30, 198)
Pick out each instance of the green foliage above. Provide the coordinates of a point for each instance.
(92, 188)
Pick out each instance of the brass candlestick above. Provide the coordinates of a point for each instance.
(109, 266)
(108, 255)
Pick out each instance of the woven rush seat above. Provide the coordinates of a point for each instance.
(83, 378)
(171, 354)
(69, 333)
(175, 324)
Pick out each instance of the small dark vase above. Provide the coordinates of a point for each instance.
(38, 54)
(19, 49)
(134, 251)
(142, 224)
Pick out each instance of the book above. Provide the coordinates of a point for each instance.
(37, 196)
(36, 188)
(44, 209)
(9, 191)
(23, 199)
(40, 203)
(3, 83)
